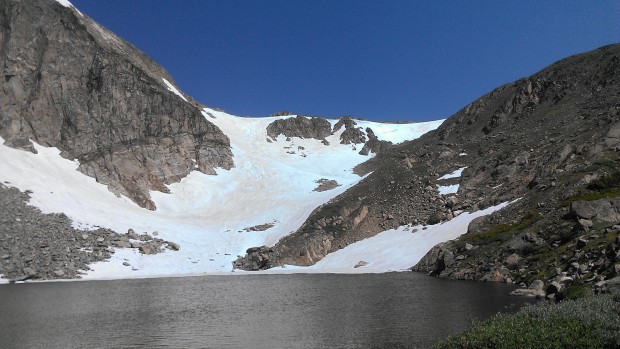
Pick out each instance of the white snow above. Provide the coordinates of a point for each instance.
(462, 154)
(204, 214)
(455, 174)
(64, 3)
(448, 189)
(398, 133)
(173, 89)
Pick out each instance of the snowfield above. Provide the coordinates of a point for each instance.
(272, 182)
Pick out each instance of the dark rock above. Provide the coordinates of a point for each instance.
(581, 243)
(554, 287)
(256, 258)
(436, 217)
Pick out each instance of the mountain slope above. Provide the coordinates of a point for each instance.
(272, 189)
(547, 139)
(76, 97)
(69, 83)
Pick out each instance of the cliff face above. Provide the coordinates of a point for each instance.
(544, 139)
(67, 82)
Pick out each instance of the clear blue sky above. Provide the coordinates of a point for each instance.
(380, 60)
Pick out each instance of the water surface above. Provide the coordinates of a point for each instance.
(394, 310)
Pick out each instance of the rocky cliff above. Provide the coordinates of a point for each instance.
(550, 139)
(69, 83)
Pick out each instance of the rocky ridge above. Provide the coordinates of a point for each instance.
(318, 128)
(69, 83)
(549, 139)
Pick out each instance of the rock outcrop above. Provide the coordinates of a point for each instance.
(300, 126)
(351, 133)
(69, 83)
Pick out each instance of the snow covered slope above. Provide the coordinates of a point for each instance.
(271, 183)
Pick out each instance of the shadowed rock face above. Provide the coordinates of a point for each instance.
(67, 82)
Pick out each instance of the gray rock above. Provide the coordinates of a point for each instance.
(29, 272)
(512, 259)
(148, 249)
(528, 292)
(173, 246)
(537, 285)
(123, 244)
(436, 217)
(301, 127)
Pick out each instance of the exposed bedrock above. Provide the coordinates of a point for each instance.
(69, 83)
(300, 126)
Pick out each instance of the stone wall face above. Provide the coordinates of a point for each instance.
(69, 83)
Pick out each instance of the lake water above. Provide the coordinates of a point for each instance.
(394, 310)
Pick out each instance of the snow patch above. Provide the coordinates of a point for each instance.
(455, 174)
(173, 89)
(448, 189)
(398, 133)
(64, 3)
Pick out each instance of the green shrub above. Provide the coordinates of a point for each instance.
(592, 322)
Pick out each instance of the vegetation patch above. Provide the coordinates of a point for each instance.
(609, 181)
(502, 232)
(592, 322)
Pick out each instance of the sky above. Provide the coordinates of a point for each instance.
(377, 60)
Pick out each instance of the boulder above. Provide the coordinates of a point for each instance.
(512, 259)
(436, 217)
(537, 285)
